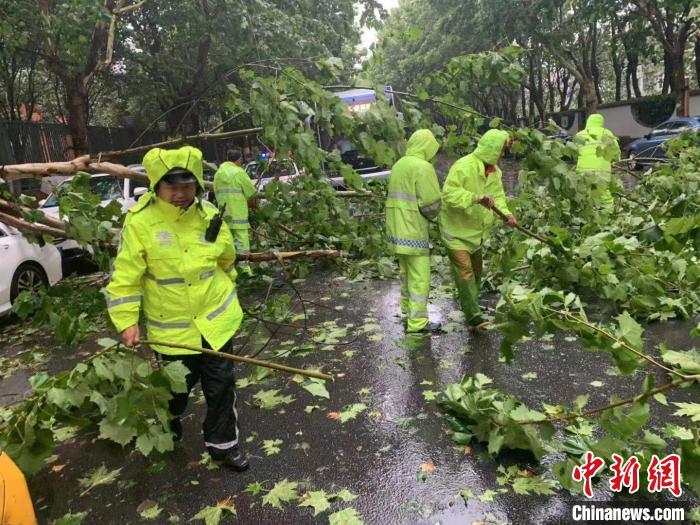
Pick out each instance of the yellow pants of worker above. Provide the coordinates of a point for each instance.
(414, 271)
(241, 240)
(15, 504)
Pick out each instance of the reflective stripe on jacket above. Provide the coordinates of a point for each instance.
(184, 284)
(413, 197)
(232, 186)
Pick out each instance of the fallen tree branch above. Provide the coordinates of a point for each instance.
(524, 230)
(16, 209)
(244, 359)
(31, 227)
(276, 256)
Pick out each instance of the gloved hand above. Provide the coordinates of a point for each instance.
(486, 201)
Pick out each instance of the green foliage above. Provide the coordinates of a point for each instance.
(283, 492)
(71, 309)
(116, 390)
(654, 109)
(642, 257)
(477, 411)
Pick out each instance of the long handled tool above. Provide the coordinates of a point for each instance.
(243, 359)
(527, 232)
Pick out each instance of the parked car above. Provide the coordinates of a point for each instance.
(108, 188)
(646, 149)
(25, 266)
(261, 173)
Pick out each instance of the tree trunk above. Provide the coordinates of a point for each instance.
(78, 115)
(632, 66)
(668, 73)
(589, 97)
(677, 77)
(697, 60)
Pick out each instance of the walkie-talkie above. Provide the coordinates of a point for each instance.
(215, 225)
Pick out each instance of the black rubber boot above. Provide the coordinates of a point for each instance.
(431, 328)
(233, 458)
(176, 428)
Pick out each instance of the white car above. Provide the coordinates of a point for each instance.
(262, 173)
(24, 266)
(108, 188)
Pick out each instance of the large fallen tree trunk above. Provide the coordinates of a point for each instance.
(91, 165)
(60, 233)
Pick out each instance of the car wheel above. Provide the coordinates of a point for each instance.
(29, 277)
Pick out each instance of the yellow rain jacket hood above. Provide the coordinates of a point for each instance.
(159, 161)
(413, 197)
(465, 224)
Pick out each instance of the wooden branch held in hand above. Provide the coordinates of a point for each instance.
(244, 359)
(527, 232)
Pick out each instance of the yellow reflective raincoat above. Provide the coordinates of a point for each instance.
(413, 196)
(464, 223)
(165, 267)
(590, 162)
(15, 503)
(233, 187)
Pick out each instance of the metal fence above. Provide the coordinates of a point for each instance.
(23, 142)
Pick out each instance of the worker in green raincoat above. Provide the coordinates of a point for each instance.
(413, 201)
(232, 187)
(473, 186)
(595, 166)
(175, 273)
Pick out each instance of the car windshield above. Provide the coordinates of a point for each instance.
(257, 170)
(106, 188)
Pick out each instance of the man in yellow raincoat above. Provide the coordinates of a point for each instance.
(233, 188)
(177, 268)
(413, 200)
(473, 186)
(595, 166)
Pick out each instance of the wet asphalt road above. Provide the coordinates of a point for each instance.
(377, 455)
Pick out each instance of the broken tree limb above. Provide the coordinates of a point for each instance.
(275, 256)
(173, 142)
(31, 227)
(524, 230)
(244, 359)
(16, 209)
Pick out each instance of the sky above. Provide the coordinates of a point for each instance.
(369, 36)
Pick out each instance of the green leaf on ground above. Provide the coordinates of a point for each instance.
(487, 496)
(149, 510)
(344, 495)
(316, 387)
(71, 519)
(318, 499)
(99, 476)
(269, 399)
(347, 516)
(271, 446)
(348, 413)
(430, 395)
(254, 488)
(283, 491)
(212, 515)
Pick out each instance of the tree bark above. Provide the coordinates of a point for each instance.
(78, 114)
(697, 60)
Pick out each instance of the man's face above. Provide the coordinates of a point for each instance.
(180, 195)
